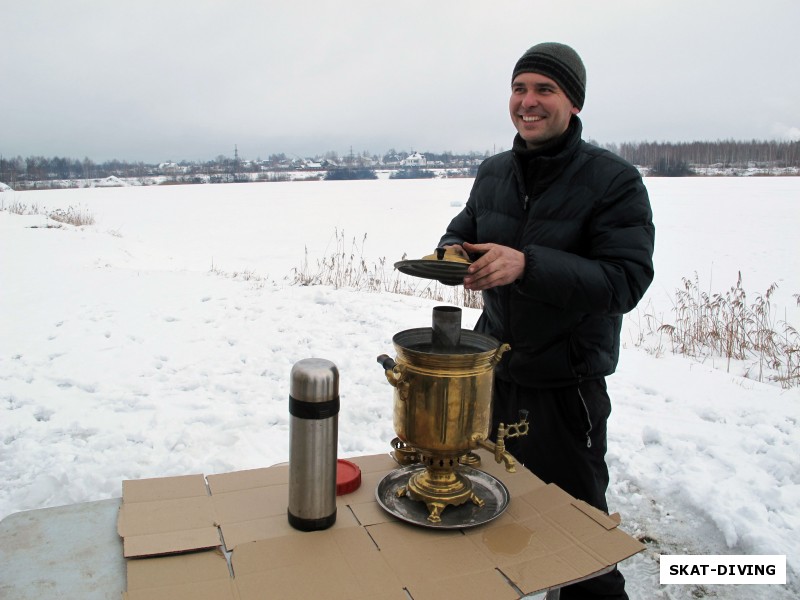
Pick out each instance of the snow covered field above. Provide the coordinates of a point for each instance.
(159, 341)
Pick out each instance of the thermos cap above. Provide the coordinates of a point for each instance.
(314, 380)
(348, 477)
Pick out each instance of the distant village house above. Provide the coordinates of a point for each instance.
(415, 160)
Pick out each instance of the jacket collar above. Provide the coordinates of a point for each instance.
(535, 169)
(563, 144)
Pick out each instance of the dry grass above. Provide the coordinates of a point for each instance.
(725, 325)
(346, 266)
(71, 216)
(256, 280)
(704, 325)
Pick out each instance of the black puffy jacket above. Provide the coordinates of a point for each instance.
(588, 237)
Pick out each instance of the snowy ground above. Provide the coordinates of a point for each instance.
(159, 341)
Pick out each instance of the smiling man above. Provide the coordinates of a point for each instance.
(541, 111)
(561, 235)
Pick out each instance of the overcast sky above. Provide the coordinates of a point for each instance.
(156, 80)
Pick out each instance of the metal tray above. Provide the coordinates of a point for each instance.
(449, 272)
(489, 489)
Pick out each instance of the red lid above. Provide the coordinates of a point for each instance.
(348, 477)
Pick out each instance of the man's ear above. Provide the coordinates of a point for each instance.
(575, 110)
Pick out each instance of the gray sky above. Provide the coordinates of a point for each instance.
(157, 80)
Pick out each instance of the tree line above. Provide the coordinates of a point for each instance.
(40, 168)
(662, 158)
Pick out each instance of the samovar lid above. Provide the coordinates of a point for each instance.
(444, 265)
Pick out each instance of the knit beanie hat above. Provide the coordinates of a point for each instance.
(560, 63)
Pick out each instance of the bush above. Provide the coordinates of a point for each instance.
(346, 173)
(666, 168)
(413, 173)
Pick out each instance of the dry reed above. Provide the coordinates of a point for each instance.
(704, 325)
(71, 216)
(725, 325)
(346, 267)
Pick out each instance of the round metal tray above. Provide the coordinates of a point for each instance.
(487, 488)
(449, 272)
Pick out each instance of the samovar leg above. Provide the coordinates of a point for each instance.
(438, 489)
(435, 511)
(435, 508)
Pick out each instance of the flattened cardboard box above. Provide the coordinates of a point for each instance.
(166, 515)
(544, 539)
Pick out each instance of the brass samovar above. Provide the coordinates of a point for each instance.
(443, 378)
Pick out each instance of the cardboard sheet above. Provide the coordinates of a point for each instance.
(199, 575)
(166, 515)
(544, 539)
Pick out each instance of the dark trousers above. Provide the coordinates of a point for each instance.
(566, 445)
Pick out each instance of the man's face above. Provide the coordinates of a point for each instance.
(540, 110)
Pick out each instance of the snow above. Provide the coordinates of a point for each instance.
(159, 341)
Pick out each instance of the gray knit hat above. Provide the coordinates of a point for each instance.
(560, 63)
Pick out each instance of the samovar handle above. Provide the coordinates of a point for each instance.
(387, 362)
(394, 375)
(498, 355)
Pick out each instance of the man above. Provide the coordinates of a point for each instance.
(562, 238)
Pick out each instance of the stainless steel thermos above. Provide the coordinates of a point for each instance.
(313, 437)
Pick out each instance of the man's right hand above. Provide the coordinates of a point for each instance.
(498, 265)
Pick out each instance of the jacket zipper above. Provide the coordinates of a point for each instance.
(525, 204)
(507, 292)
(588, 418)
(525, 200)
(518, 238)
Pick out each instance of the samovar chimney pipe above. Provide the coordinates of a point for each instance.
(446, 328)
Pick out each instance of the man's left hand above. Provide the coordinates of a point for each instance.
(498, 265)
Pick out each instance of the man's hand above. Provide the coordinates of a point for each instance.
(498, 265)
